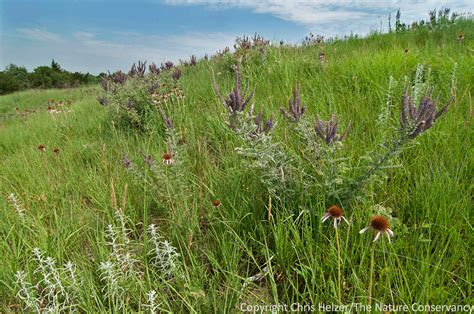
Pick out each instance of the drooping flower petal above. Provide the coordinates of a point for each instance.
(377, 236)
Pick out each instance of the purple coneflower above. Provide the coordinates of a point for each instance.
(322, 57)
(41, 148)
(336, 213)
(379, 224)
(167, 159)
(216, 203)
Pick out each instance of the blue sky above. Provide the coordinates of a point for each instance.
(101, 35)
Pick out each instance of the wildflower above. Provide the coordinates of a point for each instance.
(118, 77)
(148, 160)
(336, 213)
(41, 148)
(461, 38)
(153, 69)
(327, 131)
(415, 120)
(102, 100)
(216, 203)
(236, 100)
(176, 74)
(406, 50)
(322, 57)
(56, 150)
(380, 225)
(167, 65)
(167, 159)
(295, 108)
(126, 162)
(138, 70)
(263, 127)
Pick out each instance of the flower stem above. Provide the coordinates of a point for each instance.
(372, 263)
(338, 265)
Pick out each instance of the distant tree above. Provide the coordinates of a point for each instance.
(20, 74)
(42, 77)
(16, 78)
(55, 66)
(8, 83)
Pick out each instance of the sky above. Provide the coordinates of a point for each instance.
(100, 35)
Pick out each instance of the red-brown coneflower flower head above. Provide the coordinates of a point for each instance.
(380, 225)
(167, 159)
(56, 150)
(406, 50)
(322, 56)
(216, 203)
(334, 212)
(41, 148)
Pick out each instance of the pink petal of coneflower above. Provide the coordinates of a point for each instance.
(345, 220)
(377, 236)
(325, 217)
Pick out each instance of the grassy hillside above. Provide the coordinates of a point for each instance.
(67, 194)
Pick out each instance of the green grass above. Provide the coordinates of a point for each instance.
(67, 196)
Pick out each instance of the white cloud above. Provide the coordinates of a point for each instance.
(39, 34)
(332, 17)
(86, 51)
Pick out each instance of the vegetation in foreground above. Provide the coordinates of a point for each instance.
(163, 199)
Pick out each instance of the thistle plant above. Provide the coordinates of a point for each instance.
(237, 99)
(414, 120)
(295, 108)
(192, 61)
(154, 69)
(164, 174)
(118, 77)
(176, 74)
(132, 99)
(265, 154)
(385, 113)
(168, 65)
(332, 168)
(138, 70)
(328, 131)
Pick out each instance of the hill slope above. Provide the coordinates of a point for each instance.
(72, 172)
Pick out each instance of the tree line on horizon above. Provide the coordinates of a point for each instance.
(17, 78)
